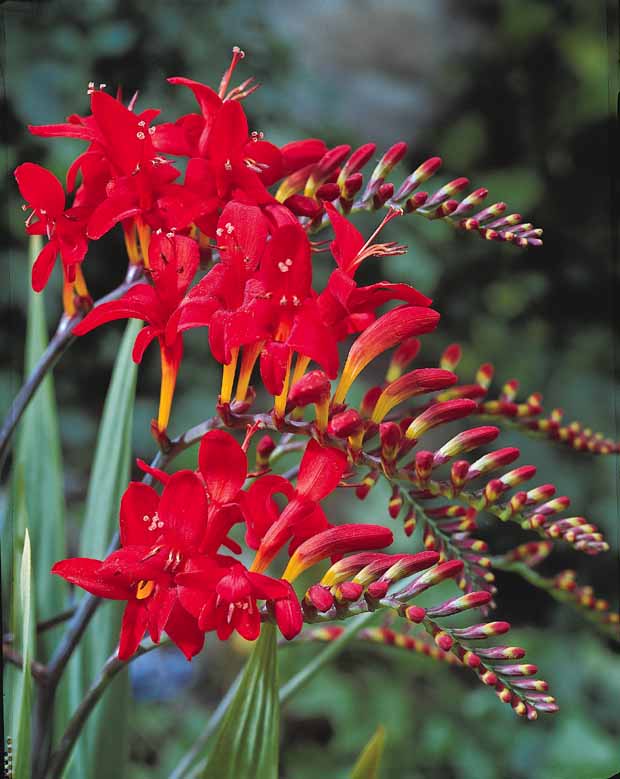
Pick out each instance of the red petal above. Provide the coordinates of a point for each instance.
(235, 585)
(66, 130)
(259, 507)
(207, 98)
(229, 133)
(143, 339)
(159, 607)
(183, 630)
(40, 189)
(245, 242)
(109, 213)
(298, 154)
(320, 471)
(133, 629)
(286, 269)
(268, 588)
(173, 262)
(85, 572)
(288, 615)
(140, 302)
(270, 159)
(138, 506)
(118, 128)
(183, 508)
(348, 239)
(44, 265)
(223, 465)
(310, 337)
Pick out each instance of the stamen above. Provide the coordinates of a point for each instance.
(144, 589)
(237, 54)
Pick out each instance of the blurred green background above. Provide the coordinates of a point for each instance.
(514, 95)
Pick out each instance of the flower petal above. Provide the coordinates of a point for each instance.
(138, 507)
(40, 189)
(183, 630)
(133, 629)
(320, 471)
(85, 572)
(44, 265)
(223, 465)
(183, 508)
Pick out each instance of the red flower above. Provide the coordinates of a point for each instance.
(159, 538)
(225, 599)
(344, 306)
(173, 260)
(64, 228)
(320, 472)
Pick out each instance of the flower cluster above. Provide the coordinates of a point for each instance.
(227, 246)
(172, 569)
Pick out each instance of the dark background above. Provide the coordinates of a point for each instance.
(514, 95)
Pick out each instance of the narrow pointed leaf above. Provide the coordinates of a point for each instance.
(369, 761)
(246, 745)
(101, 751)
(22, 704)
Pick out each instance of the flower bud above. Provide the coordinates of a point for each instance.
(416, 201)
(491, 212)
(264, 450)
(414, 614)
(410, 385)
(521, 669)
(419, 176)
(395, 503)
(472, 201)
(301, 205)
(336, 541)
(472, 600)
(384, 333)
(492, 461)
(327, 192)
(314, 387)
(320, 598)
(323, 169)
(465, 442)
(356, 162)
(348, 592)
(448, 191)
(408, 564)
(423, 465)
(402, 357)
(352, 186)
(501, 653)
(368, 482)
(345, 424)
(377, 590)
(409, 523)
(450, 357)
(435, 575)
(482, 631)
(439, 414)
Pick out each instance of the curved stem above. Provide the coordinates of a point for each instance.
(60, 342)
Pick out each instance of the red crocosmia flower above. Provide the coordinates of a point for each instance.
(160, 536)
(225, 599)
(173, 263)
(320, 472)
(345, 307)
(222, 300)
(284, 289)
(66, 229)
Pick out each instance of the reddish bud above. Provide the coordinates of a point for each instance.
(408, 564)
(465, 442)
(414, 614)
(320, 597)
(347, 423)
(352, 186)
(327, 192)
(378, 590)
(423, 465)
(314, 387)
(521, 669)
(356, 162)
(301, 205)
(264, 449)
(491, 212)
(323, 169)
(368, 482)
(349, 591)
(382, 195)
(402, 357)
(336, 541)
(471, 201)
(493, 460)
(444, 641)
(448, 191)
(439, 414)
(387, 331)
(410, 385)
(416, 201)
(430, 578)
(395, 503)
(450, 357)
(419, 176)
(409, 522)
(472, 600)
(482, 631)
(502, 653)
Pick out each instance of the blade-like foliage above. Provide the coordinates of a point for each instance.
(369, 761)
(246, 744)
(101, 751)
(22, 703)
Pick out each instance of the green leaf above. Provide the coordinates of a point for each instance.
(246, 745)
(23, 695)
(101, 751)
(368, 763)
(38, 464)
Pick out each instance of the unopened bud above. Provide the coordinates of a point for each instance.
(377, 590)
(450, 357)
(439, 414)
(264, 449)
(423, 465)
(409, 523)
(347, 423)
(395, 503)
(472, 600)
(449, 190)
(368, 482)
(414, 614)
(352, 186)
(348, 591)
(472, 201)
(382, 195)
(327, 192)
(320, 597)
(314, 387)
(402, 357)
(465, 442)
(302, 205)
(419, 176)
(430, 578)
(416, 201)
(443, 640)
(484, 375)
(322, 170)
(492, 461)
(482, 631)
(491, 212)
